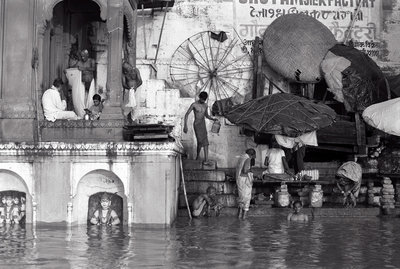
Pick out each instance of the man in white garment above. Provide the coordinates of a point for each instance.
(53, 106)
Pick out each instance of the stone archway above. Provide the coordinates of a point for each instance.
(94, 182)
(12, 183)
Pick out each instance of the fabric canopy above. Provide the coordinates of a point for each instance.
(282, 114)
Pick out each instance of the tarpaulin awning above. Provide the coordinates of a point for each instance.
(282, 113)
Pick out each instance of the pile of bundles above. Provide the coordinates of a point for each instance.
(304, 195)
(282, 196)
(397, 203)
(262, 199)
(374, 194)
(316, 196)
(362, 196)
(303, 50)
(387, 200)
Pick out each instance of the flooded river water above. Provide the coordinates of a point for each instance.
(208, 243)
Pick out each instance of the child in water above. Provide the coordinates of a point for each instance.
(296, 215)
(105, 215)
(205, 203)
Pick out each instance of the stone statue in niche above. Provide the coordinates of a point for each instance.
(105, 215)
(11, 211)
(131, 80)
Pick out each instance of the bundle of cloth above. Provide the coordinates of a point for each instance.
(353, 78)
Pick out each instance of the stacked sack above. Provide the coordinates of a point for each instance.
(362, 197)
(304, 195)
(374, 194)
(316, 196)
(397, 203)
(387, 199)
(282, 196)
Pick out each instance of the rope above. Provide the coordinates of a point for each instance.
(352, 23)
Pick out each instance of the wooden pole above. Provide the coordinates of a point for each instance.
(144, 33)
(161, 32)
(184, 187)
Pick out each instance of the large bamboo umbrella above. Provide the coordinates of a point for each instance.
(282, 113)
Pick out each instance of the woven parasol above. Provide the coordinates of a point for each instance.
(282, 113)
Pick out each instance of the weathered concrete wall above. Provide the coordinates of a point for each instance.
(390, 61)
(16, 94)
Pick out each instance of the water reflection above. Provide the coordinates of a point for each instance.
(212, 243)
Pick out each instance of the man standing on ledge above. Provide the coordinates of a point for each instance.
(200, 109)
(87, 66)
(54, 103)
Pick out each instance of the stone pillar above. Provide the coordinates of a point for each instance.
(114, 58)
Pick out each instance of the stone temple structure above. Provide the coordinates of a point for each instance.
(62, 167)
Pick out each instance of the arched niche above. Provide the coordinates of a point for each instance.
(96, 181)
(101, 3)
(13, 184)
(69, 27)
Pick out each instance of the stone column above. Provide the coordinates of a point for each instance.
(114, 60)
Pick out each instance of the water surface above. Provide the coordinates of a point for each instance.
(208, 243)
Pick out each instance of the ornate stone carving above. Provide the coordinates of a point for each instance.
(85, 149)
(82, 124)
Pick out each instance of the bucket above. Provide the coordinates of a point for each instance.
(216, 126)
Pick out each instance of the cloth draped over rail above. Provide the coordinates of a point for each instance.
(74, 77)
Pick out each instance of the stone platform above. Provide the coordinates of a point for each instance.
(266, 211)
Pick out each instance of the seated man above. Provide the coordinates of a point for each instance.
(54, 105)
(296, 215)
(205, 203)
(275, 160)
(348, 181)
(105, 215)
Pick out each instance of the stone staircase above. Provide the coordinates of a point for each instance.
(199, 177)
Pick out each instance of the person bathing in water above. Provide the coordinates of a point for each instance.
(296, 215)
(204, 204)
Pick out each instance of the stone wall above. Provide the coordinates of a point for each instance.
(59, 177)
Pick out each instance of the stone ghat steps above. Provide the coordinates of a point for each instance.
(199, 177)
(266, 211)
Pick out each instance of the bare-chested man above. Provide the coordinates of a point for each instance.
(87, 66)
(297, 215)
(200, 109)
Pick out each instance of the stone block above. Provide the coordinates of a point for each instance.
(16, 130)
(211, 165)
(204, 175)
(199, 187)
(192, 165)
(227, 200)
